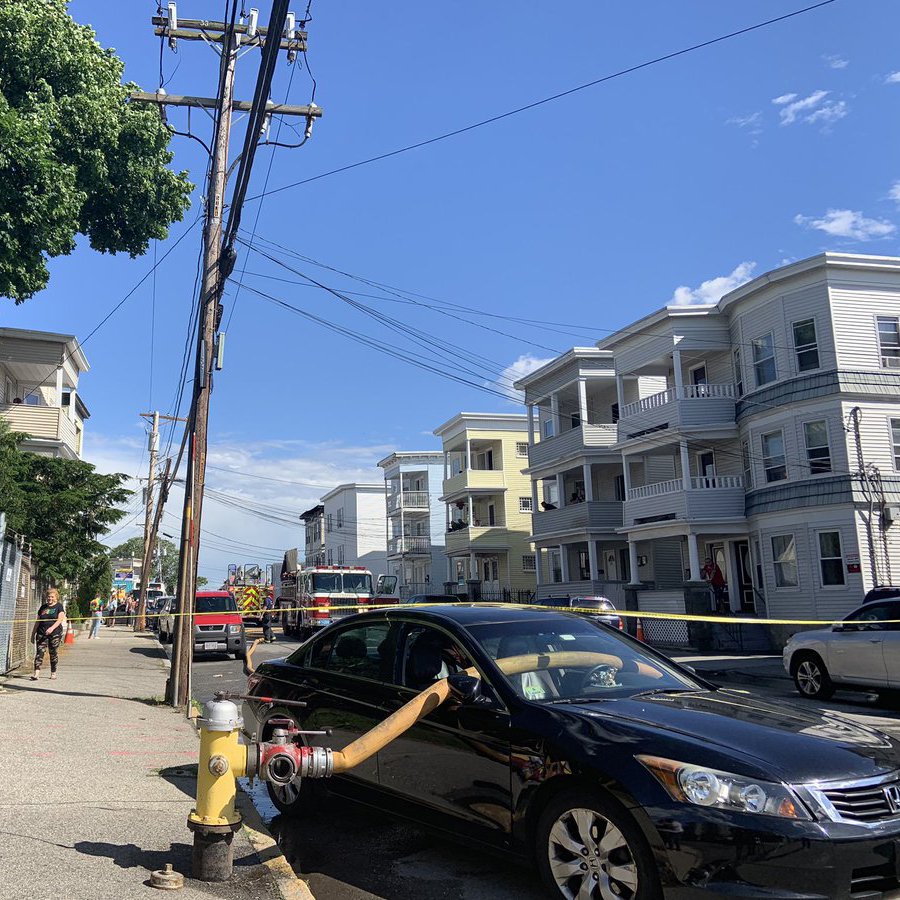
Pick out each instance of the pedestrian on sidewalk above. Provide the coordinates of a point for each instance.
(47, 632)
(96, 618)
(111, 612)
(268, 614)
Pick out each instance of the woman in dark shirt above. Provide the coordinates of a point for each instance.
(47, 632)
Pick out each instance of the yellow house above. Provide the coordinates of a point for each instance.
(489, 505)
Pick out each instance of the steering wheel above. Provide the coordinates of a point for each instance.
(602, 676)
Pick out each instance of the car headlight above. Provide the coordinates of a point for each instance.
(703, 786)
(234, 629)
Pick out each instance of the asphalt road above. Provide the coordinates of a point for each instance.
(350, 852)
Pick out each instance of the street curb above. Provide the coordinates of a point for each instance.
(289, 885)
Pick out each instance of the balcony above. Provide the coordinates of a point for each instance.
(594, 515)
(575, 441)
(709, 497)
(475, 480)
(408, 545)
(689, 406)
(411, 501)
(485, 537)
(43, 423)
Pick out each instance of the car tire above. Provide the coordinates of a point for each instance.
(583, 834)
(811, 677)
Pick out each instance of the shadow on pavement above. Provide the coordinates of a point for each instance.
(183, 777)
(129, 856)
(156, 652)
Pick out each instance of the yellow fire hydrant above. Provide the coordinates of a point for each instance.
(223, 759)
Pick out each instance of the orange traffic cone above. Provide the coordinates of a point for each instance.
(70, 636)
(640, 630)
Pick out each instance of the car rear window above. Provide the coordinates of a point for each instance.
(216, 605)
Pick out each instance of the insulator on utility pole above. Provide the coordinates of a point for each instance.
(173, 25)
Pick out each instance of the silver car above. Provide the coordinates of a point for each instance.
(604, 608)
(862, 652)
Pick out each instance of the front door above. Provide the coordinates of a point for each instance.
(698, 375)
(745, 579)
(454, 764)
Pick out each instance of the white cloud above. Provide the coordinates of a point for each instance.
(848, 223)
(812, 109)
(836, 61)
(714, 289)
(523, 366)
(894, 192)
(752, 122)
(892, 78)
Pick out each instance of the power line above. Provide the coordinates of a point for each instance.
(553, 97)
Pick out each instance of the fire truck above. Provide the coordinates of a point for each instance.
(316, 596)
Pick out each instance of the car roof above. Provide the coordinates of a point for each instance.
(467, 614)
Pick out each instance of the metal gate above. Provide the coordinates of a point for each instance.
(10, 557)
(20, 648)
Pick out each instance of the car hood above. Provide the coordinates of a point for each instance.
(782, 740)
(802, 637)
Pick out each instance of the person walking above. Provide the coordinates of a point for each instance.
(96, 618)
(268, 607)
(47, 632)
(111, 612)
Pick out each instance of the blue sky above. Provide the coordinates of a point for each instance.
(677, 181)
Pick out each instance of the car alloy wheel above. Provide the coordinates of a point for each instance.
(812, 678)
(590, 858)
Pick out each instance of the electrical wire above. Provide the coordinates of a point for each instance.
(550, 99)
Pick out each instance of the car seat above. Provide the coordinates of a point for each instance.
(424, 663)
(537, 685)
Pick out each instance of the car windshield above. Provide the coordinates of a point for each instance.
(568, 659)
(216, 604)
(348, 582)
(329, 583)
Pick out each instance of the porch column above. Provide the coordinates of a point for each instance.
(560, 485)
(685, 465)
(588, 482)
(592, 560)
(538, 566)
(626, 475)
(734, 597)
(59, 386)
(471, 512)
(582, 401)
(693, 556)
(534, 497)
(633, 563)
(564, 562)
(469, 454)
(554, 412)
(530, 409)
(72, 396)
(679, 381)
(620, 391)
(473, 566)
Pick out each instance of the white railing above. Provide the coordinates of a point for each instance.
(686, 392)
(409, 544)
(656, 489)
(709, 391)
(654, 401)
(716, 482)
(415, 499)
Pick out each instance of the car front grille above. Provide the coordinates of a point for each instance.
(210, 628)
(865, 802)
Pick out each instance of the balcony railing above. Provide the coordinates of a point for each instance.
(470, 479)
(408, 500)
(594, 515)
(584, 437)
(689, 405)
(716, 482)
(654, 401)
(42, 423)
(656, 489)
(698, 483)
(409, 544)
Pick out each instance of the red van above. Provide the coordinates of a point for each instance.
(218, 626)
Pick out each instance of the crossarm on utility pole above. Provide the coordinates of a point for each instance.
(283, 109)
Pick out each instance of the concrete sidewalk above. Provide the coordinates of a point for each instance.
(97, 781)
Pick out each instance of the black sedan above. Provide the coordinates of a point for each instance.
(623, 775)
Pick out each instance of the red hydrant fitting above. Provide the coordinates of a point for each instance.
(282, 759)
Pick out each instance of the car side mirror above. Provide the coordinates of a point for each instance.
(839, 627)
(690, 669)
(464, 688)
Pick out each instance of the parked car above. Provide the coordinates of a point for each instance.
(622, 774)
(605, 610)
(860, 653)
(166, 620)
(218, 626)
(882, 592)
(432, 598)
(155, 609)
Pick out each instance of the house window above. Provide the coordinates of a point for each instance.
(584, 565)
(784, 560)
(818, 453)
(525, 505)
(895, 442)
(341, 555)
(764, 359)
(555, 560)
(748, 468)
(328, 522)
(521, 448)
(330, 557)
(773, 456)
(340, 518)
(831, 560)
(529, 563)
(619, 487)
(889, 341)
(738, 372)
(806, 345)
(614, 413)
(548, 428)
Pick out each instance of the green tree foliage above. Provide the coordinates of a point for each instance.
(75, 156)
(62, 506)
(95, 581)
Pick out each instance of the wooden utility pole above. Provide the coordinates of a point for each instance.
(216, 268)
(140, 623)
